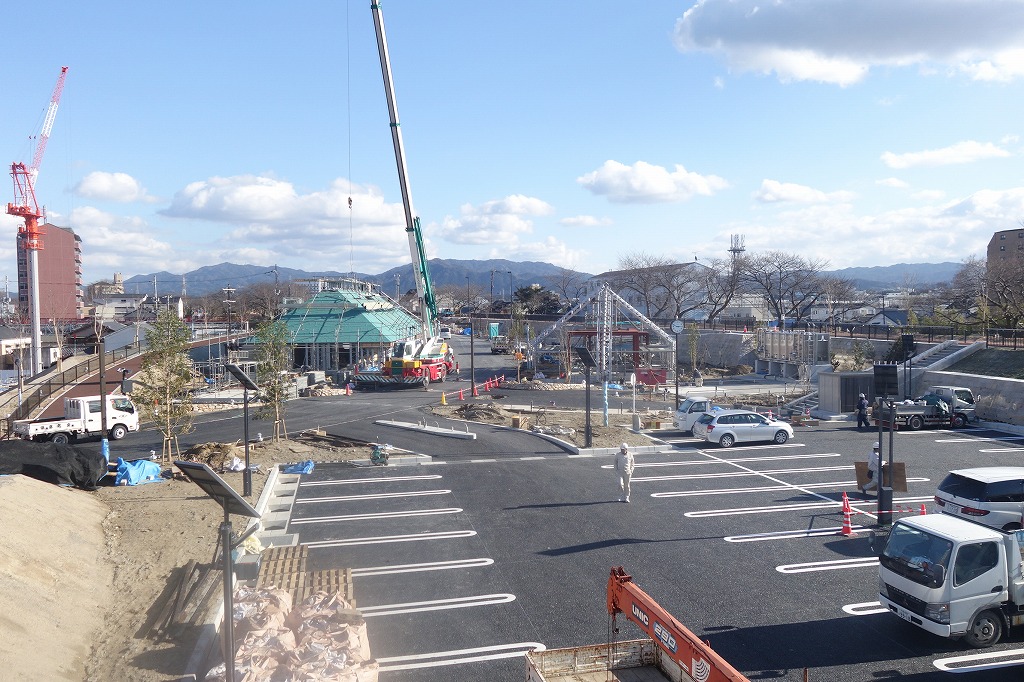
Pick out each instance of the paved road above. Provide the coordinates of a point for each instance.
(726, 540)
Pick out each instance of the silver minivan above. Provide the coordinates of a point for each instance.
(993, 496)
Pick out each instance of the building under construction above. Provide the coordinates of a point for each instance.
(346, 326)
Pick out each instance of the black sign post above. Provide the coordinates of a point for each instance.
(217, 488)
(589, 363)
(247, 383)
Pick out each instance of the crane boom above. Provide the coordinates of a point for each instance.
(424, 289)
(51, 114)
(682, 646)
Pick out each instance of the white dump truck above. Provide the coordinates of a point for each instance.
(953, 577)
(81, 419)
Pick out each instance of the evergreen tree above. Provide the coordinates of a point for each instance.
(273, 359)
(162, 388)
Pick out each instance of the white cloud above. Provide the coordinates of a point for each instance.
(493, 222)
(894, 183)
(930, 195)
(773, 191)
(585, 221)
(840, 41)
(549, 250)
(645, 183)
(967, 151)
(119, 187)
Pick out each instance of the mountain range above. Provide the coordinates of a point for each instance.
(498, 273)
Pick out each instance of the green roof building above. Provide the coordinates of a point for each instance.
(337, 328)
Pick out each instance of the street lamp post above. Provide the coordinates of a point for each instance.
(490, 303)
(511, 301)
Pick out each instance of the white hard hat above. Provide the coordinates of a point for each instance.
(624, 446)
(875, 446)
(861, 395)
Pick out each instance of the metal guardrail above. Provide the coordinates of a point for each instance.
(38, 389)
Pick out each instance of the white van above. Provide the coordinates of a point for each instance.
(446, 332)
(993, 496)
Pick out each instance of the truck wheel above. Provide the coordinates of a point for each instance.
(781, 437)
(915, 423)
(118, 432)
(726, 441)
(986, 629)
(60, 438)
(959, 421)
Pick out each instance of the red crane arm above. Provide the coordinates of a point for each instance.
(694, 656)
(51, 113)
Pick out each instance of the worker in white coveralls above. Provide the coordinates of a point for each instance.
(874, 466)
(624, 465)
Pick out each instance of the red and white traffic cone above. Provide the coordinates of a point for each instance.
(847, 512)
(460, 395)
(348, 389)
(924, 509)
(475, 392)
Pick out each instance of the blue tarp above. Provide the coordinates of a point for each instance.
(137, 472)
(300, 468)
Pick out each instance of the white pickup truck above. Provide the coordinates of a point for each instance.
(81, 418)
(953, 577)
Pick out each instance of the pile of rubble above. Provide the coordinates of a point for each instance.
(217, 455)
(481, 412)
(323, 638)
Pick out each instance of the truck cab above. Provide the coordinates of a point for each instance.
(953, 577)
(690, 411)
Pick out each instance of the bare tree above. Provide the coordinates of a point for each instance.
(719, 281)
(641, 273)
(839, 295)
(1003, 292)
(570, 285)
(789, 283)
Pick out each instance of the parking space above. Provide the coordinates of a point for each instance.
(462, 565)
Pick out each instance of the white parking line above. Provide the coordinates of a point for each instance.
(979, 438)
(458, 656)
(1002, 450)
(376, 515)
(798, 506)
(738, 474)
(416, 568)
(705, 462)
(953, 665)
(868, 608)
(385, 539)
(435, 605)
(379, 496)
(383, 479)
(788, 534)
(768, 488)
(840, 564)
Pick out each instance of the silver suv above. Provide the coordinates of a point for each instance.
(993, 496)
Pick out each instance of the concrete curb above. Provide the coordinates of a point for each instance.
(433, 430)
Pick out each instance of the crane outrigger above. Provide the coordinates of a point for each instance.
(425, 357)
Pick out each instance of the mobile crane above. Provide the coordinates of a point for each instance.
(672, 648)
(425, 357)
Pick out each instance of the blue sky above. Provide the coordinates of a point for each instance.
(863, 132)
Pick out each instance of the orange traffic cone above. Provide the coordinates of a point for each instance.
(487, 385)
(443, 401)
(348, 389)
(847, 512)
(924, 509)
(460, 395)
(475, 392)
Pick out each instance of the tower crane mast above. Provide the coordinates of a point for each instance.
(27, 208)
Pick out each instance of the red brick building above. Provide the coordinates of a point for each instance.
(60, 275)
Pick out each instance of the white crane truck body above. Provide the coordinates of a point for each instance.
(953, 577)
(81, 419)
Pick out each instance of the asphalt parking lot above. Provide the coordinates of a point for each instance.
(465, 561)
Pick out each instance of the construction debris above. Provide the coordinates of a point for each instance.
(322, 638)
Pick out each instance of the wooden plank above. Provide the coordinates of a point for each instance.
(198, 594)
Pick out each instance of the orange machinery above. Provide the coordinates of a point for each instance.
(694, 656)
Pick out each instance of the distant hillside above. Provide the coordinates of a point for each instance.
(901, 274)
(213, 278)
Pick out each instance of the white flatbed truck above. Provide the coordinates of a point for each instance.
(953, 577)
(81, 419)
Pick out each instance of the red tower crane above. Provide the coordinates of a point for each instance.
(26, 207)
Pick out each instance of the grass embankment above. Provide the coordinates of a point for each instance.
(993, 362)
